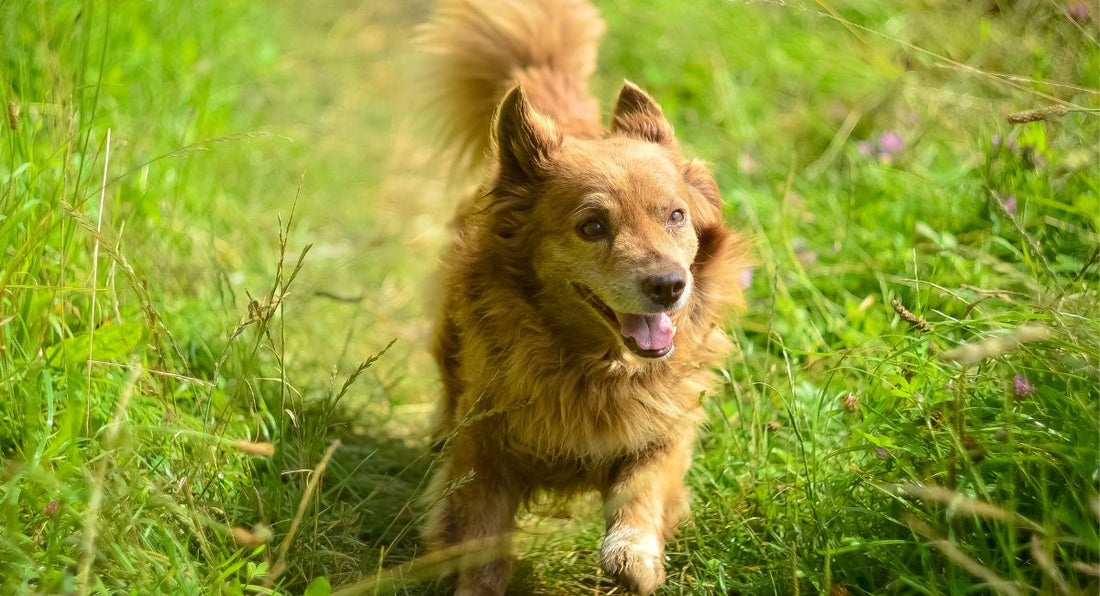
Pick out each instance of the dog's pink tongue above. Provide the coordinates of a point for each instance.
(650, 332)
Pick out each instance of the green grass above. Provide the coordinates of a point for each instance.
(268, 226)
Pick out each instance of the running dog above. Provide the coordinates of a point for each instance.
(584, 294)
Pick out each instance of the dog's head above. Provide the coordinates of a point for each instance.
(615, 230)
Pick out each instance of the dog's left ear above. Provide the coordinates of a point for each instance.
(638, 115)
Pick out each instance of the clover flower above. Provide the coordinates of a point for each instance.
(805, 254)
(1008, 144)
(884, 149)
(1021, 387)
(746, 278)
(1079, 11)
(890, 143)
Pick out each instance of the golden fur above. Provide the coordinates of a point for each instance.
(551, 383)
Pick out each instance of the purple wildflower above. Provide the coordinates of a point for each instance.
(1032, 155)
(803, 252)
(1079, 11)
(1007, 144)
(890, 143)
(1010, 204)
(1021, 387)
(746, 278)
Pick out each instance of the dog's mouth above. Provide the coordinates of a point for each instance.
(648, 335)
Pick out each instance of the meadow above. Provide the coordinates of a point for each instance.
(219, 228)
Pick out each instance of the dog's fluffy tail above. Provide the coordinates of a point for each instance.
(482, 48)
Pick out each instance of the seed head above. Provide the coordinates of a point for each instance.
(1047, 113)
(259, 534)
(997, 345)
(13, 115)
(915, 321)
(253, 448)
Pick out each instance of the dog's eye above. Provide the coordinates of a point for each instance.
(677, 217)
(592, 229)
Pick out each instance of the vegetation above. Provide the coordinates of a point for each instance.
(217, 229)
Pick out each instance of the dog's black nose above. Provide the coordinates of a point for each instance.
(664, 289)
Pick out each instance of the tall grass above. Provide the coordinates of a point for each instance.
(191, 399)
(134, 407)
(900, 215)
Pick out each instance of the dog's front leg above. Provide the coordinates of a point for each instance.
(644, 500)
(473, 518)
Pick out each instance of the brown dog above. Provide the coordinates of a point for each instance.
(584, 294)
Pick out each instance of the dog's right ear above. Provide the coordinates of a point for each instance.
(524, 139)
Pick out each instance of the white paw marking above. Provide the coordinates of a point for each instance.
(633, 557)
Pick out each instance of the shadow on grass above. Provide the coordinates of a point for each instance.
(367, 515)
(381, 480)
(364, 533)
(374, 504)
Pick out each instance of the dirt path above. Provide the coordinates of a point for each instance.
(372, 201)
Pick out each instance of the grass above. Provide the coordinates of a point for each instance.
(195, 312)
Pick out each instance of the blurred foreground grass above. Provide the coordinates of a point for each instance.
(215, 279)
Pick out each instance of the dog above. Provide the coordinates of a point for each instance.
(584, 294)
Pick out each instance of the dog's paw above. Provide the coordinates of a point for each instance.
(634, 558)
